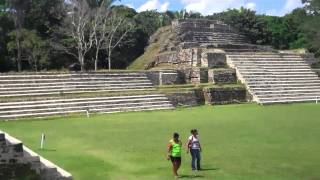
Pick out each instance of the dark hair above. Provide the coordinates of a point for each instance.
(175, 135)
(193, 131)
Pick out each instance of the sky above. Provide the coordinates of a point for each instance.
(206, 7)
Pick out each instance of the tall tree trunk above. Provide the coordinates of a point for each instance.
(19, 52)
(109, 59)
(96, 61)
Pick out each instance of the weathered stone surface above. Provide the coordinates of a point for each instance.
(168, 77)
(195, 75)
(225, 95)
(211, 58)
(17, 171)
(222, 76)
(190, 98)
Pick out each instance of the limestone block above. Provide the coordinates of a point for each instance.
(190, 98)
(222, 76)
(225, 95)
(196, 75)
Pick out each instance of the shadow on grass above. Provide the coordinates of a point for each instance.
(190, 176)
(47, 150)
(209, 169)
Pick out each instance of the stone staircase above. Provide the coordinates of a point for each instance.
(56, 84)
(12, 151)
(47, 94)
(43, 108)
(275, 77)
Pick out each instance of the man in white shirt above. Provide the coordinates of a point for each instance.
(193, 145)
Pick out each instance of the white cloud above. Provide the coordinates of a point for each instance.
(211, 6)
(292, 4)
(251, 5)
(287, 8)
(130, 5)
(154, 5)
(164, 7)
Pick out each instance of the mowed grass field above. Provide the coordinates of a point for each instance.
(239, 142)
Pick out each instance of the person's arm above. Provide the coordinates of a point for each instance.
(169, 149)
(188, 145)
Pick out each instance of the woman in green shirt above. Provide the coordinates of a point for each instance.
(174, 153)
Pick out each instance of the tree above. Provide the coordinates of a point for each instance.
(118, 27)
(312, 25)
(32, 46)
(18, 9)
(78, 28)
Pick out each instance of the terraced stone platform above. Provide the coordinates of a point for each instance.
(277, 77)
(54, 94)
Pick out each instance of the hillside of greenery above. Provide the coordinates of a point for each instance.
(34, 33)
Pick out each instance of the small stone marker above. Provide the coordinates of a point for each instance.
(43, 138)
(88, 113)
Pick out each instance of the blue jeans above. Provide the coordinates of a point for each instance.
(195, 162)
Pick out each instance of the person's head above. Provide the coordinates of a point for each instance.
(175, 136)
(194, 131)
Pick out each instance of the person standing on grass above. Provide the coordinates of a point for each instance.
(174, 153)
(194, 147)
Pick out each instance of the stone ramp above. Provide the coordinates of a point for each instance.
(277, 78)
(14, 152)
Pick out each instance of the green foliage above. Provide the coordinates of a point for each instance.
(33, 47)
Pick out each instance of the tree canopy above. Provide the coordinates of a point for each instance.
(32, 33)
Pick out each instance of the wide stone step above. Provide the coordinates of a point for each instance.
(293, 94)
(75, 92)
(261, 55)
(84, 107)
(281, 84)
(254, 69)
(288, 91)
(67, 83)
(51, 75)
(279, 75)
(281, 81)
(111, 98)
(97, 110)
(262, 72)
(88, 102)
(270, 66)
(285, 88)
(276, 101)
(73, 79)
(70, 89)
(63, 87)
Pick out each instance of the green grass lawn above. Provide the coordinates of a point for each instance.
(239, 141)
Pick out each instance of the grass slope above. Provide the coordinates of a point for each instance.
(240, 142)
(152, 50)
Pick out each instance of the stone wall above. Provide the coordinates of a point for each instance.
(189, 98)
(15, 157)
(168, 77)
(17, 172)
(222, 76)
(225, 95)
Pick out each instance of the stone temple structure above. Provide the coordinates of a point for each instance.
(197, 47)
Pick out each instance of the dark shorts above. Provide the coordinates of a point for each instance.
(175, 159)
